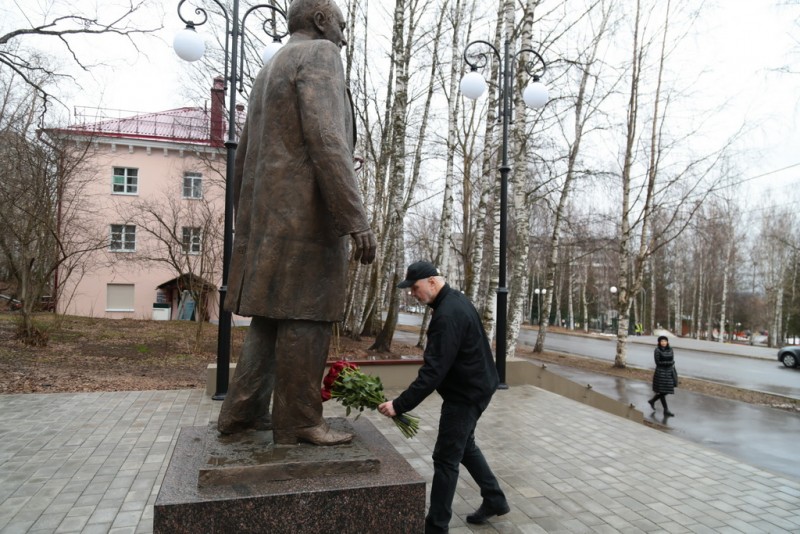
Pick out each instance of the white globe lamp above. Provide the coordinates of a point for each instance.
(473, 85)
(535, 95)
(270, 50)
(188, 44)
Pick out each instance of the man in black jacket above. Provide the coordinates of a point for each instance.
(458, 364)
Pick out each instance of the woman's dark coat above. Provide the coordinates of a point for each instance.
(664, 377)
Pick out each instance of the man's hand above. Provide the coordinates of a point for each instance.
(387, 409)
(366, 246)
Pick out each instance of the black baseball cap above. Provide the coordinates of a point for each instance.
(417, 271)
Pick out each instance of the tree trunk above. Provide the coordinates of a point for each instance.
(625, 224)
(726, 274)
(489, 300)
(700, 297)
(520, 206)
(442, 260)
(652, 325)
(570, 291)
(584, 302)
(397, 201)
(447, 209)
(581, 116)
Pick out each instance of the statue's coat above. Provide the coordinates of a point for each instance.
(295, 190)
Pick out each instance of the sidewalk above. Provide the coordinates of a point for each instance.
(758, 435)
(93, 462)
(686, 343)
(734, 349)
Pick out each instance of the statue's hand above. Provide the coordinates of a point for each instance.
(366, 246)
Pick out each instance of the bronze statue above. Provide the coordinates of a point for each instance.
(296, 200)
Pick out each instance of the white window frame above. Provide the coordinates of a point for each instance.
(127, 235)
(192, 240)
(130, 180)
(195, 185)
(115, 293)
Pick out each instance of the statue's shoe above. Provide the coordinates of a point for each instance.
(234, 427)
(321, 434)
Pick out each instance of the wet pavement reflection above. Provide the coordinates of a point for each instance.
(758, 435)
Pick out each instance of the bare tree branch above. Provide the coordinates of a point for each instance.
(67, 29)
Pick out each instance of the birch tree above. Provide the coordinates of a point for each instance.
(400, 192)
(586, 105)
(45, 211)
(675, 193)
(485, 220)
(521, 204)
(446, 224)
(776, 266)
(490, 300)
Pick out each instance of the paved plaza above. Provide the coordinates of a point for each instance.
(93, 462)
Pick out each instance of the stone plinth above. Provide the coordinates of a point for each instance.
(252, 457)
(326, 497)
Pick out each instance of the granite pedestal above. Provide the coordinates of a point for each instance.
(212, 485)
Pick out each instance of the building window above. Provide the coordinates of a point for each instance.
(119, 297)
(125, 181)
(192, 185)
(192, 240)
(123, 238)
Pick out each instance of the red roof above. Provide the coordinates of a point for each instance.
(184, 125)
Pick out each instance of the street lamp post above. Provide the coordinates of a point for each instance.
(615, 316)
(643, 310)
(539, 292)
(535, 96)
(190, 47)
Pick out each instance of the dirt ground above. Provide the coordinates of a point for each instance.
(89, 354)
(86, 354)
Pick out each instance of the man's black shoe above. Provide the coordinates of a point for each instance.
(482, 514)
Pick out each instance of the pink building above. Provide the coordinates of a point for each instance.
(156, 189)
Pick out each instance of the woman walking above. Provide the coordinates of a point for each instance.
(665, 378)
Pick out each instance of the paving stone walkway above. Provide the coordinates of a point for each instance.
(93, 462)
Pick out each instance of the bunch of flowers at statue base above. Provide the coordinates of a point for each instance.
(356, 390)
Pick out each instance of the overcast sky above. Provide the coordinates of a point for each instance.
(747, 44)
(740, 45)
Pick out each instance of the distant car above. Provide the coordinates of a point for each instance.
(789, 356)
(12, 303)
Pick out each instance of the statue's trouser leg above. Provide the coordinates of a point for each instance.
(246, 404)
(301, 351)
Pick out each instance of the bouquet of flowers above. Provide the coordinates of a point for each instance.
(346, 383)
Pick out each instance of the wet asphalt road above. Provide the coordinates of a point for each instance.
(760, 436)
(753, 368)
